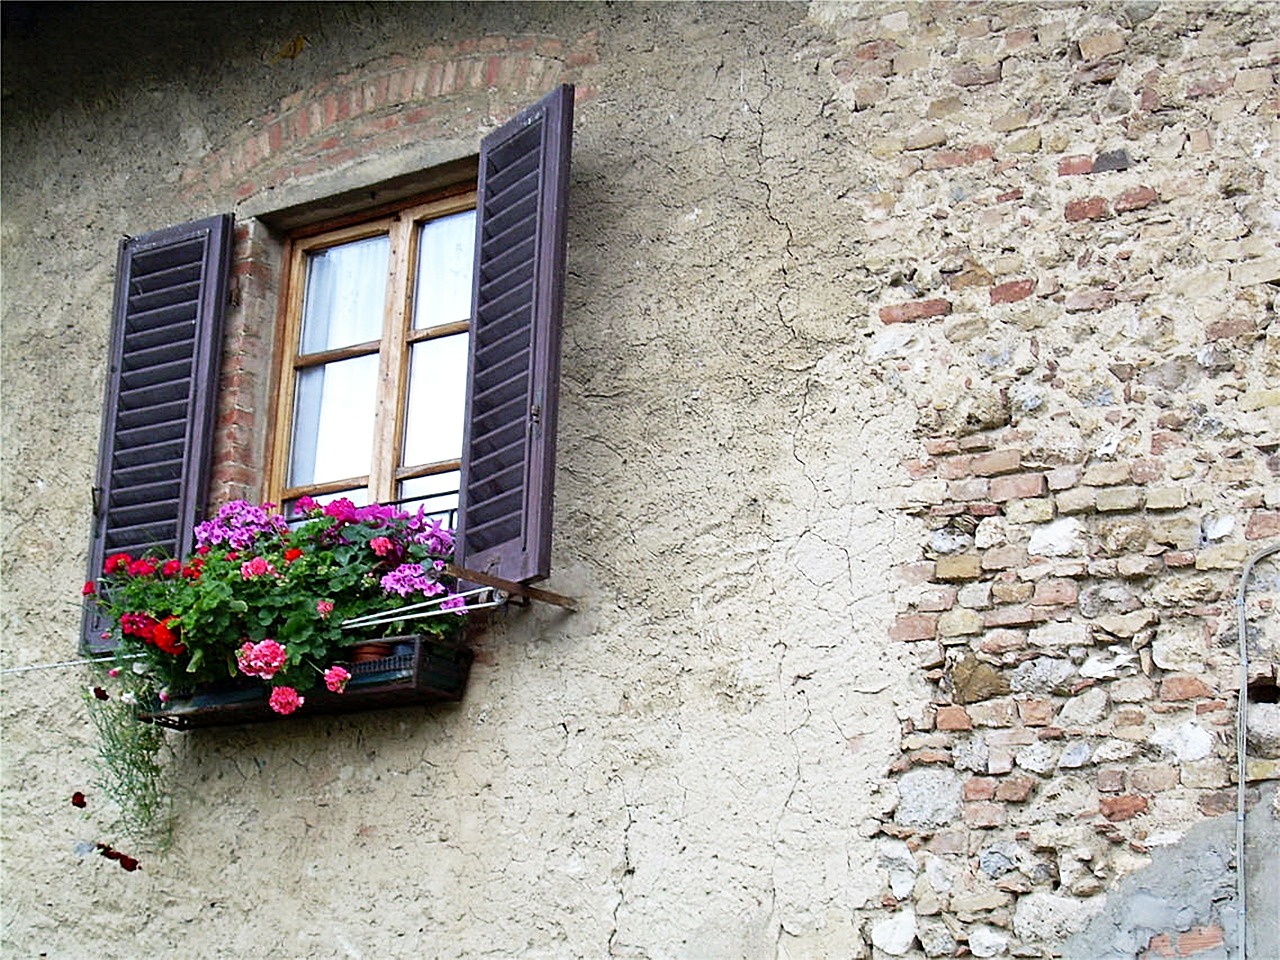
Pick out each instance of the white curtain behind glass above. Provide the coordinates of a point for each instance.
(334, 403)
(346, 295)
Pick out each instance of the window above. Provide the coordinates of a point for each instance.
(171, 290)
(373, 380)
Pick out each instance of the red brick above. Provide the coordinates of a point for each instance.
(936, 446)
(1192, 943)
(1019, 486)
(938, 599)
(1008, 195)
(1015, 616)
(1163, 440)
(914, 310)
(1211, 706)
(1013, 291)
(953, 718)
(1124, 807)
(1135, 199)
(980, 788)
(1183, 687)
(1055, 590)
(969, 75)
(1002, 558)
(1091, 298)
(1035, 712)
(1015, 789)
(1071, 166)
(918, 469)
(948, 159)
(1179, 558)
(1230, 328)
(1090, 208)
(997, 461)
(1111, 780)
(1262, 524)
(931, 756)
(954, 468)
(984, 813)
(914, 626)
(1146, 471)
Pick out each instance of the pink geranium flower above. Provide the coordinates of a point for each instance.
(285, 700)
(264, 659)
(257, 567)
(324, 608)
(380, 545)
(335, 678)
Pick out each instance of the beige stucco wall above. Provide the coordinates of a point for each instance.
(699, 762)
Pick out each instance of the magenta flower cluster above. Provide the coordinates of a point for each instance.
(238, 524)
(411, 578)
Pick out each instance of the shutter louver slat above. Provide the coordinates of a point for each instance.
(508, 460)
(158, 418)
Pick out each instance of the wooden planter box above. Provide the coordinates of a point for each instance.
(419, 671)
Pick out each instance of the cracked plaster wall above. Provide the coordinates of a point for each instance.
(694, 764)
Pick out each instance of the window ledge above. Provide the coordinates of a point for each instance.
(430, 672)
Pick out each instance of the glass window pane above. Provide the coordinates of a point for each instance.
(333, 421)
(437, 396)
(442, 291)
(438, 495)
(345, 295)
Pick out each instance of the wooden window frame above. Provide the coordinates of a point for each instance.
(400, 224)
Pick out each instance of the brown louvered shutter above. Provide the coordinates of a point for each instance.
(508, 458)
(157, 425)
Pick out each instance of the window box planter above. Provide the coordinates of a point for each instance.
(420, 670)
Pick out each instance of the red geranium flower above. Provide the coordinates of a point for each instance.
(163, 635)
(88, 589)
(292, 554)
(78, 800)
(101, 694)
(116, 562)
(171, 568)
(142, 567)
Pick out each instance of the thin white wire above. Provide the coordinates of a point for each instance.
(69, 663)
(401, 613)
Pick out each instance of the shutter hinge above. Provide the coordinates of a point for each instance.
(535, 413)
(96, 494)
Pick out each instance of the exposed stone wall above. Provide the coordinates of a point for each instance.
(1083, 313)
(919, 411)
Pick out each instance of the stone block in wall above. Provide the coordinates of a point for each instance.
(1180, 532)
(1019, 486)
(961, 566)
(1112, 499)
(1132, 690)
(1124, 534)
(1138, 565)
(999, 712)
(1011, 591)
(1106, 474)
(1180, 645)
(1037, 510)
(1062, 538)
(1076, 500)
(959, 622)
(1059, 635)
(1224, 557)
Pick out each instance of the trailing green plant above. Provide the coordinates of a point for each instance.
(132, 773)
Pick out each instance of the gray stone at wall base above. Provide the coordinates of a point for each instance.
(1193, 883)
